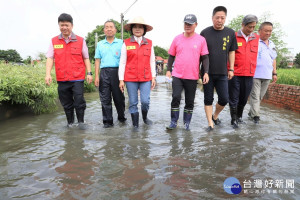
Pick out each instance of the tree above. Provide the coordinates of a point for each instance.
(297, 60)
(283, 63)
(27, 61)
(42, 56)
(277, 33)
(236, 23)
(90, 39)
(10, 55)
(158, 51)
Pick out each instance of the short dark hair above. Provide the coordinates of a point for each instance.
(110, 21)
(145, 29)
(64, 17)
(265, 24)
(220, 8)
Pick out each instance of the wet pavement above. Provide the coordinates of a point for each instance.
(40, 158)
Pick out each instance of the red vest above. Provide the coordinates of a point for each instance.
(69, 64)
(138, 67)
(246, 55)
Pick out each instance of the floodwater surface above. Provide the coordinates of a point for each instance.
(40, 158)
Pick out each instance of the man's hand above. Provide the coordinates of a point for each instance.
(96, 81)
(205, 78)
(230, 75)
(274, 78)
(121, 86)
(168, 74)
(49, 65)
(153, 83)
(48, 79)
(89, 79)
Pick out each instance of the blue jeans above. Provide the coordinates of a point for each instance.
(220, 82)
(132, 89)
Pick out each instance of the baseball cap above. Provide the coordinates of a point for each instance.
(190, 19)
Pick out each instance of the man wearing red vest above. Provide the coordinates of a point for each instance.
(240, 85)
(71, 62)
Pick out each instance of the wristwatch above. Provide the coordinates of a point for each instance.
(90, 73)
(232, 70)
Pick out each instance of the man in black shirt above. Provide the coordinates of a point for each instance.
(221, 43)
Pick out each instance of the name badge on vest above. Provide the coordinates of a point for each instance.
(240, 44)
(58, 46)
(131, 47)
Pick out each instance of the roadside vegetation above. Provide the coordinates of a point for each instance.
(288, 76)
(26, 85)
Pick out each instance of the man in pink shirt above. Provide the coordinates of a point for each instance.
(188, 48)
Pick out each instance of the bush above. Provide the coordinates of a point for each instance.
(26, 85)
(90, 87)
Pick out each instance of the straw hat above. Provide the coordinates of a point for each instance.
(138, 20)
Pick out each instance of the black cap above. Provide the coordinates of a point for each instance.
(190, 19)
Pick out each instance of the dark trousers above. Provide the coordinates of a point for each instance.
(239, 90)
(220, 82)
(108, 90)
(189, 87)
(71, 95)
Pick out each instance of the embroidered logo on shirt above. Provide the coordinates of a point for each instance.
(130, 47)
(117, 53)
(195, 46)
(240, 44)
(225, 41)
(58, 46)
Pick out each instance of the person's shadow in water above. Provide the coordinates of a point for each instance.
(131, 151)
(77, 168)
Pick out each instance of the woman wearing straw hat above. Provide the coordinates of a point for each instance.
(137, 68)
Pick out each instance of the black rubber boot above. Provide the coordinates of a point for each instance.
(145, 119)
(187, 117)
(233, 113)
(70, 117)
(108, 125)
(122, 119)
(135, 121)
(240, 110)
(174, 118)
(107, 116)
(80, 118)
(256, 119)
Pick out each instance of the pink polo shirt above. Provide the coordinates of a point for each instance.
(187, 51)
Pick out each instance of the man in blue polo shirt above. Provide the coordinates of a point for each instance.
(265, 69)
(108, 54)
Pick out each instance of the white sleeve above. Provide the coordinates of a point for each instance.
(123, 60)
(152, 62)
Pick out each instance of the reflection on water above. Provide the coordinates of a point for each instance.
(42, 159)
(75, 169)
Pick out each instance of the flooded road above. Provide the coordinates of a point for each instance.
(40, 158)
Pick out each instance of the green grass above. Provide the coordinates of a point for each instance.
(288, 76)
